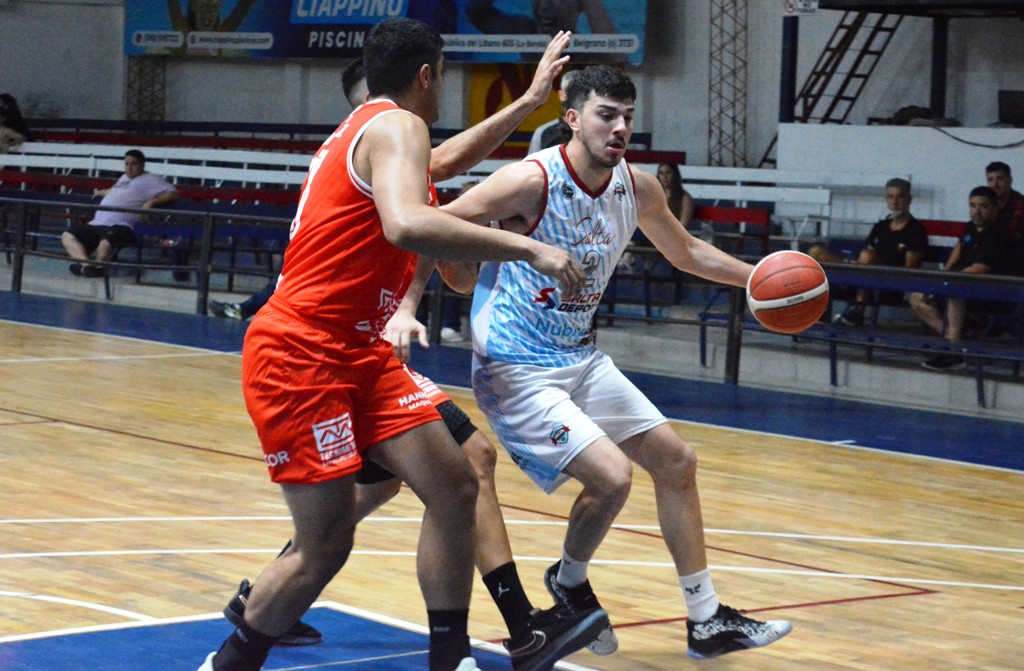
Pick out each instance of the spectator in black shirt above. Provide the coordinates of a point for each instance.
(984, 248)
(899, 240)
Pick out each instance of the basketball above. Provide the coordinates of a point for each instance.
(787, 292)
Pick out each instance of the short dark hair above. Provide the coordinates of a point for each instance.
(135, 153)
(898, 183)
(998, 166)
(985, 192)
(395, 51)
(603, 80)
(353, 73)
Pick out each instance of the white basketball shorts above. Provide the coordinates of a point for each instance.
(545, 416)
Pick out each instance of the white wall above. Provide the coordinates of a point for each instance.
(63, 58)
(943, 164)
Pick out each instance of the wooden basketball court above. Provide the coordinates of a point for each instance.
(134, 491)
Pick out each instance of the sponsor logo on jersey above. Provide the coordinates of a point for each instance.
(592, 233)
(619, 191)
(559, 435)
(546, 299)
(335, 440)
(567, 191)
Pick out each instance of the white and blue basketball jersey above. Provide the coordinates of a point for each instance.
(518, 314)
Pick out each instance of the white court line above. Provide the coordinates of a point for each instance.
(520, 558)
(114, 336)
(332, 605)
(551, 523)
(111, 357)
(79, 604)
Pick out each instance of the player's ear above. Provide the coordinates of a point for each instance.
(572, 118)
(425, 76)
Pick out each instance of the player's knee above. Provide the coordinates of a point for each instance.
(321, 559)
(677, 461)
(614, 483)
(482, 456)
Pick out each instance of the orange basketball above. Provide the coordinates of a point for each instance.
(787, 292)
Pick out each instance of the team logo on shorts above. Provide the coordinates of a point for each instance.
(559, 435)
(568, 192)
(334, 439)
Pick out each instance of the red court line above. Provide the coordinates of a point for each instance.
(650, 534)
(914, 591)
(118, 432)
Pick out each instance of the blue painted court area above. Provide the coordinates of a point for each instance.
(353, 643)
(968, 439)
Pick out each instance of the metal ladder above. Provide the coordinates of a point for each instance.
(843, 68)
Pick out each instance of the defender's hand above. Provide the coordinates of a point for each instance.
(560, 265)
(549, 67)
(401, 330)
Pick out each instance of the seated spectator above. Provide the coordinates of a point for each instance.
(1011, 203)
(556, 131)
(13, 129)
(247, 308)
(679, 201)
(136, 189)
(898, 241)
(983, 248)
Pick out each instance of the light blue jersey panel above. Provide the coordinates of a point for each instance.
(519, 315)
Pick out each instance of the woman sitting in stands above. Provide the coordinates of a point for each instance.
(679, 201)
(13, 129)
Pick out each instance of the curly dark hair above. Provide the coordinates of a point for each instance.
(603, 80)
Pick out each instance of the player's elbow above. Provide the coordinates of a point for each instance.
(399, 232)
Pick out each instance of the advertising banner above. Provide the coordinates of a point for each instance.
(502, 31)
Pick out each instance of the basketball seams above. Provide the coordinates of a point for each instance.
(796, 302)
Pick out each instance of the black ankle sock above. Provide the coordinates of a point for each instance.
(507, 591)
(245, 650)
(449, 638)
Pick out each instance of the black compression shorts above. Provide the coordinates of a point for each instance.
(459, 425)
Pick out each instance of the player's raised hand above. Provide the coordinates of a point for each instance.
(561, 266)
(549, 67)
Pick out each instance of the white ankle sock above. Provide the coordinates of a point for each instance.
(572, 572)
(701, 600)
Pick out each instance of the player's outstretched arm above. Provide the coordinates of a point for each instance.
(458, 154)
(670, 237)
(396, 149)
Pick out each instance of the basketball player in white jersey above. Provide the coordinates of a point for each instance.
(558, 405)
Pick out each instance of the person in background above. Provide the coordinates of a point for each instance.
(13, 129)
(898, 241)
(137, 190)
(984, 248)
(1011, 203)
(553, 132)
(549, 17)
(679, 201)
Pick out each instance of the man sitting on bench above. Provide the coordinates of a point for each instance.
(109, 229)
(984, 248)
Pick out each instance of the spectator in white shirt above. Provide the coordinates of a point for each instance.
(109, 229)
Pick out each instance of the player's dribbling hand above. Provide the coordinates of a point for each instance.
(401, 330)
(560, 265)
(549, 67)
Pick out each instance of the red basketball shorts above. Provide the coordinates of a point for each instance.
(319, 399)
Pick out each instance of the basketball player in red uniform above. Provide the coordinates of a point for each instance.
(325, 390)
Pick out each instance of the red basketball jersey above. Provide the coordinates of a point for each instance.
(339, 269)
